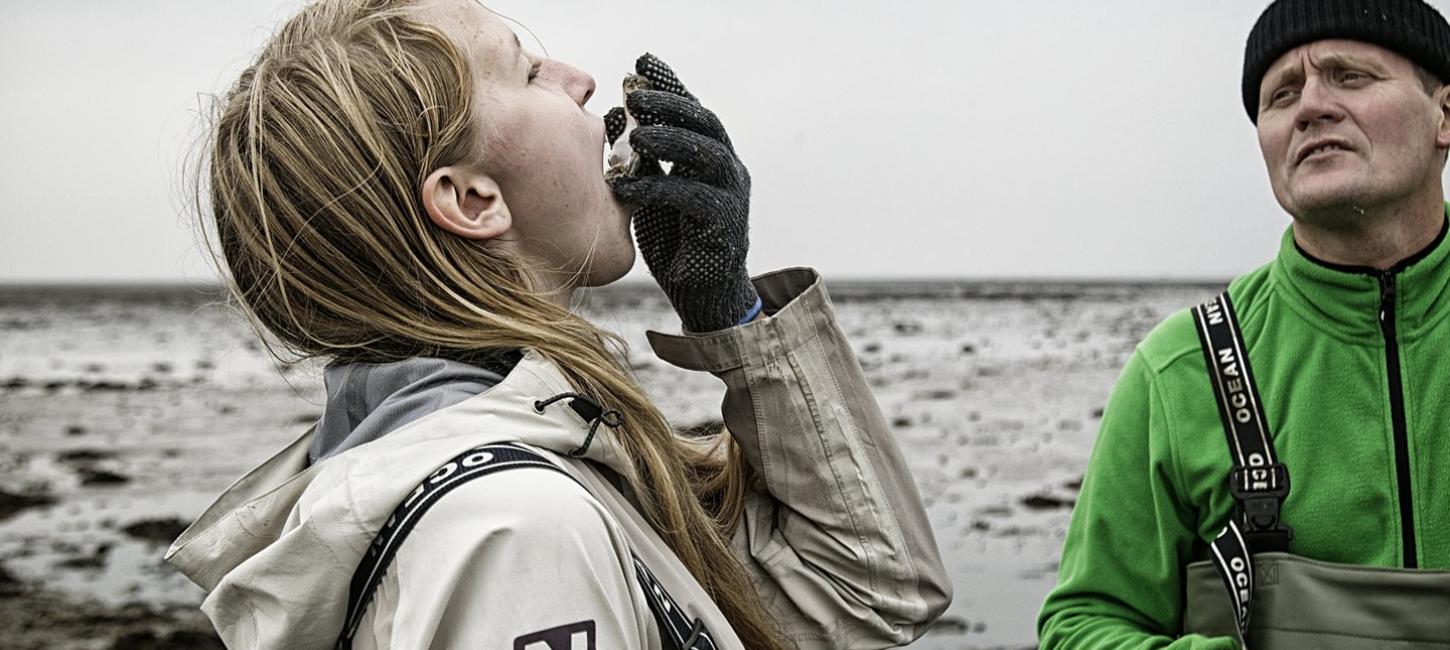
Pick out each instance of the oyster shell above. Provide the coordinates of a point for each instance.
(623, 160)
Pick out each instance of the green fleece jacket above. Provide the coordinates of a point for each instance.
(1359, 409)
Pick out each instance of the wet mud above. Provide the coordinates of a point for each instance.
(123, 413)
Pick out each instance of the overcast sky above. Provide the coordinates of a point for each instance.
(931, 138)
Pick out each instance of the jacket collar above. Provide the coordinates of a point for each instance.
(1347, 299)
(250, 516)
(367, 400)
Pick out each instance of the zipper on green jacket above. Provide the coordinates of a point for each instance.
(1397, 417)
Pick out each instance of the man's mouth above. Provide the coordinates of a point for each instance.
(1320, 147)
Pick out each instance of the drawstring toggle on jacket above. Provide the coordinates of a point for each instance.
(590, 410)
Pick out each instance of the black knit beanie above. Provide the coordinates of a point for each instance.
(1410, 28)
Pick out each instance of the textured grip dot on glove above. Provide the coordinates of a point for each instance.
(660, 75)
(614, 123)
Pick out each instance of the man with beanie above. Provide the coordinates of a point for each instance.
(1273, 467)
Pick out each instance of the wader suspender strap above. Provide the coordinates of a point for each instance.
(1258, 481)
(677, 631)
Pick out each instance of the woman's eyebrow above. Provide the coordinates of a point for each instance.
(518, 48)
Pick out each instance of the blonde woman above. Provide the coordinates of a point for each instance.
(401, 189)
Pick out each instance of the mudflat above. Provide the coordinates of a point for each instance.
(125, 411)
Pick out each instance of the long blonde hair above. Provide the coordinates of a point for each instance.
(314, 169)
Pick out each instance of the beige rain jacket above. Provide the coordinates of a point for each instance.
(837, 542)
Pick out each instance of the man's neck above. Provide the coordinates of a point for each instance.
(1377, 238)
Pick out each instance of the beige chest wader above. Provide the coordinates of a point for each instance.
(1276, 600)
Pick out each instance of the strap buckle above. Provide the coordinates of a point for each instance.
(1259, 506)
(1265, 481)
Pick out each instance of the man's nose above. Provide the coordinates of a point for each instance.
(578, 84)
(1317, 103)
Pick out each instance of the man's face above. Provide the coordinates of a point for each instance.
(1345, 124)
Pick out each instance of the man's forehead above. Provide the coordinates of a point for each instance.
(1332, 51)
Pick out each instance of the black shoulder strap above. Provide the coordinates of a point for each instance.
(1258, 481)
(676, 630)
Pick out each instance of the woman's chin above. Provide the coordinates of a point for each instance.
(606, 269)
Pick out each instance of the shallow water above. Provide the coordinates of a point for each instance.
(137, 406)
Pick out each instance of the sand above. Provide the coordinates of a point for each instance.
(124, 412)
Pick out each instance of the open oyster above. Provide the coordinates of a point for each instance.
(623, 161)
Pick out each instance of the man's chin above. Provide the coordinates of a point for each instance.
(1330, 199)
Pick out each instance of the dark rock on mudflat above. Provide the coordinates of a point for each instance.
(175, 640)
(102, 386)
(39, 619)
(84, 455)
(12, 504)
(96, 560)
(91, 476)
(1013, 530)
(1046, 502)
(9, 584)
(1075, 484)
(907, 327)
(75, 430)
(160, 531)
(950, 625)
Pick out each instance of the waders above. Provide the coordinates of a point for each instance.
(1277, 600)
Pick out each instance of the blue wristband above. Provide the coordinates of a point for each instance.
(754, 311)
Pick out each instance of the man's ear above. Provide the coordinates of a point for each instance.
(466, 203)
(1442, 101)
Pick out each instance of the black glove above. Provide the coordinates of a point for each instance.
(691, 224)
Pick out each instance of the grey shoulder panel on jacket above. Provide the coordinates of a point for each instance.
(365, 401)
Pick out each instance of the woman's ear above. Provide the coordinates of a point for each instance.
(466, 203)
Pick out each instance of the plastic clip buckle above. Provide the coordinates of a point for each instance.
(1277, 475)
(1264, 529)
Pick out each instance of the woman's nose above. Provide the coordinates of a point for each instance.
(577, 83)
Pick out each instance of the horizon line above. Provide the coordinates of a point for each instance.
(169, 285)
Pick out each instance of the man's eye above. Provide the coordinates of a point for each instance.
(1351, 76)
(1281, 95)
